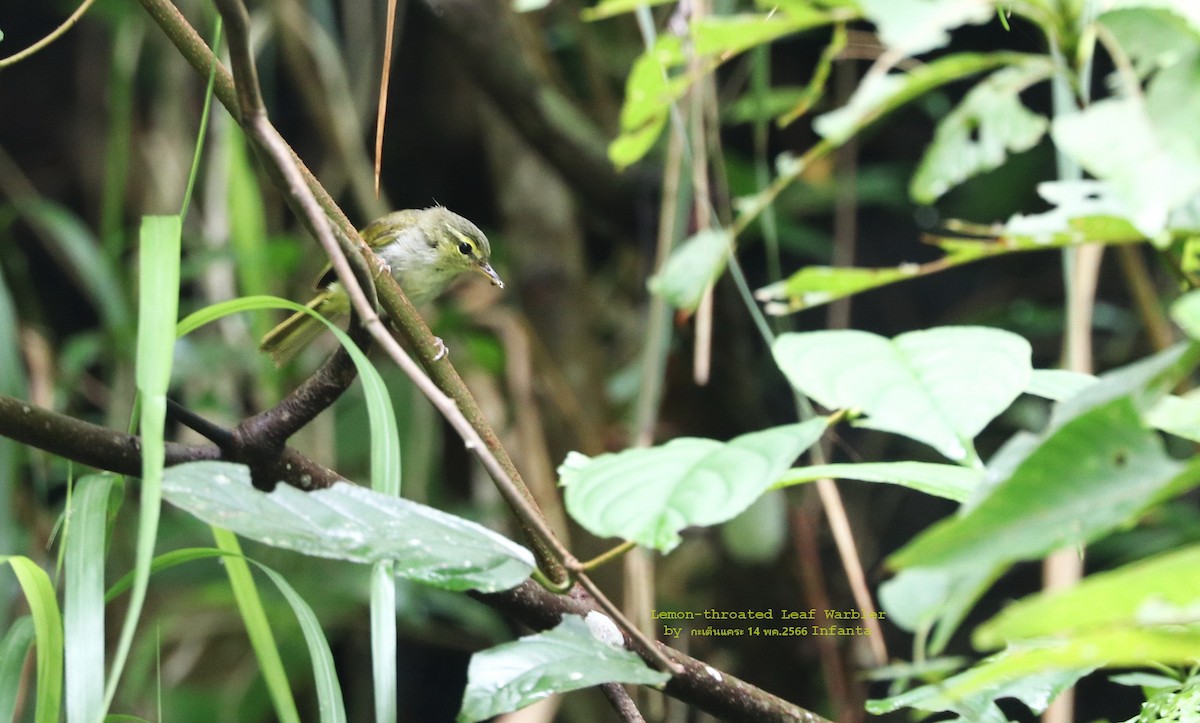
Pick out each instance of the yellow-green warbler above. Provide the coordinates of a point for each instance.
(425, 249)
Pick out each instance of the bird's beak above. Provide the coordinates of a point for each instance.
(486, 269)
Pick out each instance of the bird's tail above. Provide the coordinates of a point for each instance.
(299, 330)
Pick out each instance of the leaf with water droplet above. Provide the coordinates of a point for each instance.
(348, 522)
(511, 676)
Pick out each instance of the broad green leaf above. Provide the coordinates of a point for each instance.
(1144, 382)
(661, 75)
(973, 693)
(1058, 384)
(1186, 313)
(692, 268)
(1147, 149)
(1177, 415)
(939, 386)
(611, 8)
(919, 599)
(879, 95)
(1154, 38)
(511, 676)
(978, 135)
(916, 26)
(348, 522)
(760, 533)
(1092, 474)
(1083, 653)
(1162, 591)
(949, 481)
(1084, 210)
(649, 91)
(649, 495)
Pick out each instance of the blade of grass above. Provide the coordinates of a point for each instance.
(329, 694)
(13, 383)
(158, 304)
(48, 634)
(383, 641)
(14, 648)
(385, 477)
(257, 626)
(203, 130)
(83, 595)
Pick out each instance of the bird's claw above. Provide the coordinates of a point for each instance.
(443, 350)
(384, 267)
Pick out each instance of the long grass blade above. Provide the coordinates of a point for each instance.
(48, 634)
(83, 596)
(158, 307)
(258, 627)
(14, 648)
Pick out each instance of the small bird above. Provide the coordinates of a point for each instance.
(425, 249)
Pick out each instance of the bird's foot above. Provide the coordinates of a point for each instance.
(443, 350)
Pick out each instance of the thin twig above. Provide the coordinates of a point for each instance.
(54, 35)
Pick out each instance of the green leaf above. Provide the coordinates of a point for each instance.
(879, 95)
(1152, 595)
(939, 386)
(1084, 211)
(511, 676)
(917, 26)
(348, 522)
(649, 92)
(760, 533)
(1177, 415)
(1146, 149)
(1186, 313)
(1092, 474)
(948, 481)
(1155, 33)
(692, 268)
(815, 285)
(973, 693)
(48, 635)
(649, 495)
(729, 35)
(920, 598)
(331, 708)
(611, 8)
(978, 135)
(1058, 384)
(661, 75)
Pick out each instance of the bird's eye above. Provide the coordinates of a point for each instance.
(464, 248)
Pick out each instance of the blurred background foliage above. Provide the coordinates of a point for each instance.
(98, 128)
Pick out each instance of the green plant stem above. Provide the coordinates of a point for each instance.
(605, 557)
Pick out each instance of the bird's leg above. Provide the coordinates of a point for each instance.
(443, 350)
